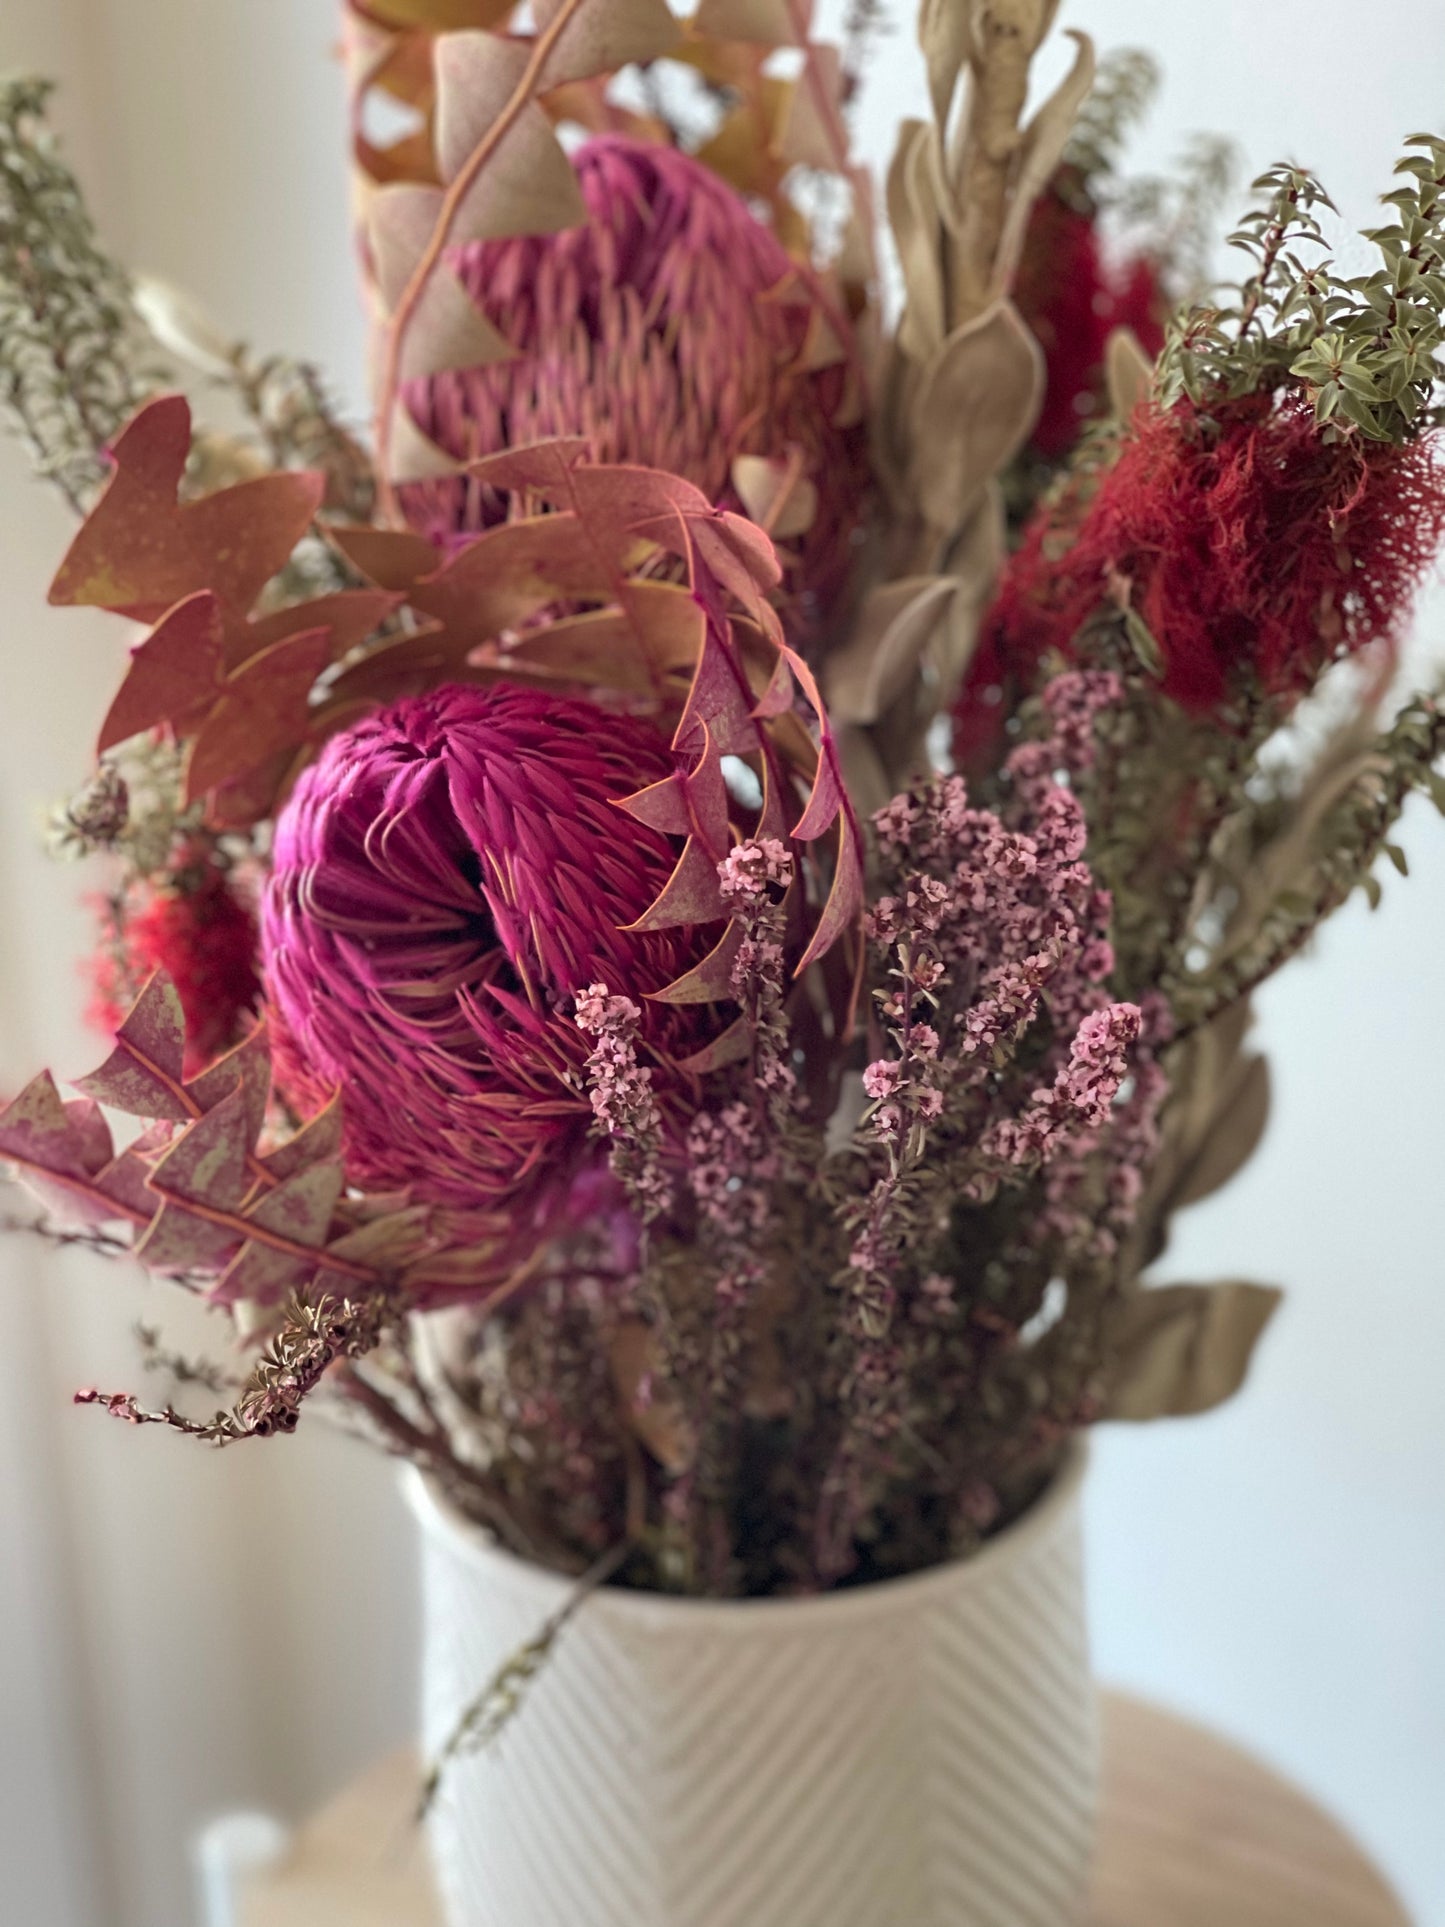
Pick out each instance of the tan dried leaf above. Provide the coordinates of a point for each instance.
(414, 456)
(946, 35)
(1232, 1137)
(776, 494)
(651, 1414)
(448, 330)
(402, 217)
(1041, 149)
(1182, 1349)
(882, 656)
(972, 412)
(768, 23)
(1128, 372)
(913, 200)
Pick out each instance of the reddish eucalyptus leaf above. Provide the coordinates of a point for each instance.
(392, 558)
(179, 1240)
(129, 554)
(62, 1153)
(140, 551)
(244, 800)
(544, 468)
(691, 894)
(260, 1275)
(708, 982)
(301, 1208)
(349, 617)
(318, 1139)
(242, 536)
(263, 709)
(37, 1133)
(247, 1065)
(510, 573)
(173, 673)
(732, 1046)
(207, 1163)
(720, 700)
(609, 649)
(403, 666)
(845, 898)
(143, 1074)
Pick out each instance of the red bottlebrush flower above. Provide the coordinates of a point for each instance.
(446, 878)
(657, 330)
(204, 937)
(1072, 298)
(1254, 548)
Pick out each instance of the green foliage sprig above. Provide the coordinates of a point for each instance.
(75, 362)
(1365, 347)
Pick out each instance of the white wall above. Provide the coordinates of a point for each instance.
(184, 1631)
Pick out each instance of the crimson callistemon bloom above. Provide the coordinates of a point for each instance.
(670, 329)
(446, 877)
(201, 933)
(1255, 548)
(1073, 298)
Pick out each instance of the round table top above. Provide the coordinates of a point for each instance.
(1195, 1833)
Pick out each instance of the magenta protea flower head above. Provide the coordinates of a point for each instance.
(658, 331)
(446, 878)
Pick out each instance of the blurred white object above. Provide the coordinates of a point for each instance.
(229, 1852)
(920, 1751)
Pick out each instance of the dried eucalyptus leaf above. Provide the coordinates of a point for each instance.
(414, 456)
(1182, 1349)
(869, 784)
(974, 409)
(946, 35)
(448, 330)
(1043, 144)
(913, 214)
(1232, 1139)
(894, 627)
(1128, 372)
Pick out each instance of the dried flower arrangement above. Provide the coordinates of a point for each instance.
(670, 971)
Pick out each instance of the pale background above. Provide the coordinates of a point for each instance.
(182, 1632)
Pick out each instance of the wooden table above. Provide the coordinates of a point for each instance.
(1195, 1833)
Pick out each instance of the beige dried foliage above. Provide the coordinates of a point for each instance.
(1183, 1349)
(963, 379)
(1128, 373)
(1212, 1123)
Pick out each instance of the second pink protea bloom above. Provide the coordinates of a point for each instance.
(672, 330)
(447, 877)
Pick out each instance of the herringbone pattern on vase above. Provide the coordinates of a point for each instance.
(918, 1755)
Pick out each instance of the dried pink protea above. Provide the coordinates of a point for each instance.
(446, 878)
(672, 330)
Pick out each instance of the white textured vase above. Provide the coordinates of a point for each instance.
(920, 1753)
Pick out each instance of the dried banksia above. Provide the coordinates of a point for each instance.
(673, 330)
(447, 877)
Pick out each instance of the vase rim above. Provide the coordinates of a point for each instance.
(437, 1514)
